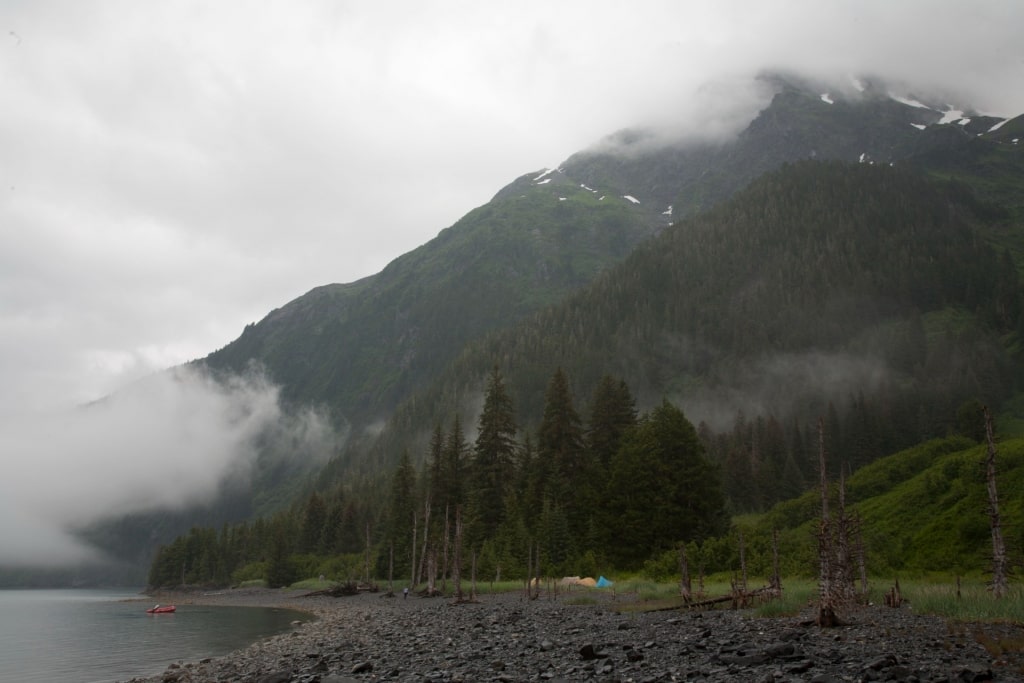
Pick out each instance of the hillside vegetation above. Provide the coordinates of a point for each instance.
(880, 284)
(923, 511)
(823, 288)
(853, 257)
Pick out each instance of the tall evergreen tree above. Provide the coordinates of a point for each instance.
(612, 413)
(493, 464)
(314, 518)
(662, 489)
(561, 454)
(401, 508)
(450, 486)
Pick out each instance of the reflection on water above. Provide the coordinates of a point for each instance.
(91, 635)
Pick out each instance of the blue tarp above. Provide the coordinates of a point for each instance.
(603, 582)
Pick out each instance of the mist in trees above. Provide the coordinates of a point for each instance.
(611, 490)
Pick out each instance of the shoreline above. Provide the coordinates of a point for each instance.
(582, 636)
(281, 598)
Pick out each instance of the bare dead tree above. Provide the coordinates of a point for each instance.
(391, 569)
(685, 586)
(1000, 565)
(842, 579)
(415, 578)
(743, 564)
(457, 552)
(700, 577)
(775, 582)
(366, 569)
(536, 572)
(529, 568)
(894, 597)
(444, 553)
(862, 564)
(432, 571)
(826, 594)
(426, 536)
(472, 585)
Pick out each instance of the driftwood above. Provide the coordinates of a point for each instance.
(343, 590)
(738, 601)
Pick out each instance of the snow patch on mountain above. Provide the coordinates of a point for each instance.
(631, 198)
(547, 171)
(909, 102)
(919, 126)
(997, 126)
(951, 115)
(544, 182)
(826, 99)
(668, 211)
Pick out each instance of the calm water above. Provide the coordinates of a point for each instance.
(85, 636)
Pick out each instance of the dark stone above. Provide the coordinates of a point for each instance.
(799, 667)
(974, 673)
(780, 649)
(362, 667)
(276, 677)
(883, 662)
(901, 673)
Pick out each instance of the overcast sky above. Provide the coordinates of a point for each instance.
(172, 170)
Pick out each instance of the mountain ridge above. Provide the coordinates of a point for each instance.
(366, 349)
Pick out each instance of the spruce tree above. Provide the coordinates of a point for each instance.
(314, 518)
(402, 506)
(493, 464)
(612, 412)
(662, 489)
(560, 451)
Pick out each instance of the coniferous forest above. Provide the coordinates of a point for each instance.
(679, 389)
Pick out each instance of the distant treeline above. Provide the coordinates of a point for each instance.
(580, 497)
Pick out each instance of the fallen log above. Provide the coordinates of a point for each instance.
(741, 599)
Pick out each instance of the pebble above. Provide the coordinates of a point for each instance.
(509, 638)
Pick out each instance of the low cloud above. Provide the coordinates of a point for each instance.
(785, 385)
(166, 442)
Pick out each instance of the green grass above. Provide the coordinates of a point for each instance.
(313, 585)
(975, 602)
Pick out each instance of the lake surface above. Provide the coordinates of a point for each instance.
(88, 636)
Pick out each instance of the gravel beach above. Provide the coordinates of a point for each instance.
(505, 637)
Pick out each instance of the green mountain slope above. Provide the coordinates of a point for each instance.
(815, 283)
(922, 510)
(362, 347)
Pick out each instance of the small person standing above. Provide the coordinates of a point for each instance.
(405, 592)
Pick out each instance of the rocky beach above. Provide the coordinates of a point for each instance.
(593, 636)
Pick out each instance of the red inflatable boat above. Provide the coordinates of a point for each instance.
(161, 609)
